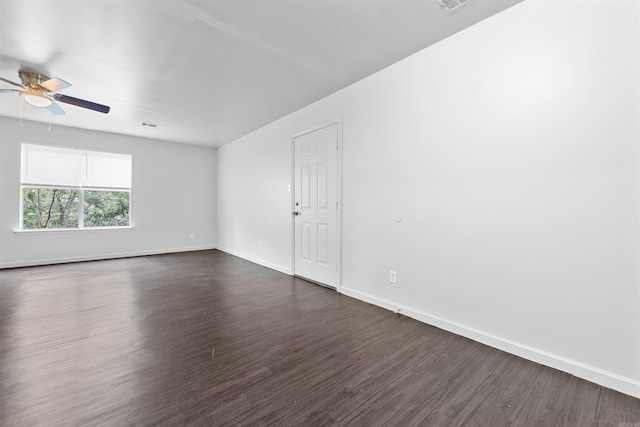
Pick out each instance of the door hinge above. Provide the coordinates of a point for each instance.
(336, 205)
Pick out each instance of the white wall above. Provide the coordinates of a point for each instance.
(511, 149)
(252, 187)
(173, 195)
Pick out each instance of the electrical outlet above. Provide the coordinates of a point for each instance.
(393, 276)
(192, 235)
(261, 246)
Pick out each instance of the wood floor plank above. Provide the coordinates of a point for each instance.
(208, 339)
(577, 402)
(441, 399)
(617, 409)
(548, 400)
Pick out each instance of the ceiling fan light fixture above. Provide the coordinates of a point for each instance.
(36, 98)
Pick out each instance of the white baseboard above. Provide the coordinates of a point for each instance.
(258, 261)
(590, 373)
(31, 263)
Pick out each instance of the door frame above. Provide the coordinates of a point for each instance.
(338, 249)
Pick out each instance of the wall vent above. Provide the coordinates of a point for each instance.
(450, 5)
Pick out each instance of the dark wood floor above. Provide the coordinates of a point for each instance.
(205, 338)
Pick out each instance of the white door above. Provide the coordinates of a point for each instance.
(316, 205)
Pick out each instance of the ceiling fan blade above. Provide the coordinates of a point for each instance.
(9, 90)
(55, 84)
(56, 109)
(12, 83)
(82, 103)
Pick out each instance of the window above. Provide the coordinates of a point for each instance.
(65, 188)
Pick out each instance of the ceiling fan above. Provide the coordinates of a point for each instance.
(39, 92)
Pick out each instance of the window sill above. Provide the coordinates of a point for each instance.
(72, 230)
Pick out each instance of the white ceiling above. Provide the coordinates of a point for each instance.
(210, 71)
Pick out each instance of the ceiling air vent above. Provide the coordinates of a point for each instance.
(151, 125)
(450, 5)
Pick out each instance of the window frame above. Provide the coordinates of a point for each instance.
(80, 212)
(81, 198)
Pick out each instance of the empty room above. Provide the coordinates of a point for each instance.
(320, 212)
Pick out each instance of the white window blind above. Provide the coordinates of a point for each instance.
(48, 166)
(108, 170)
